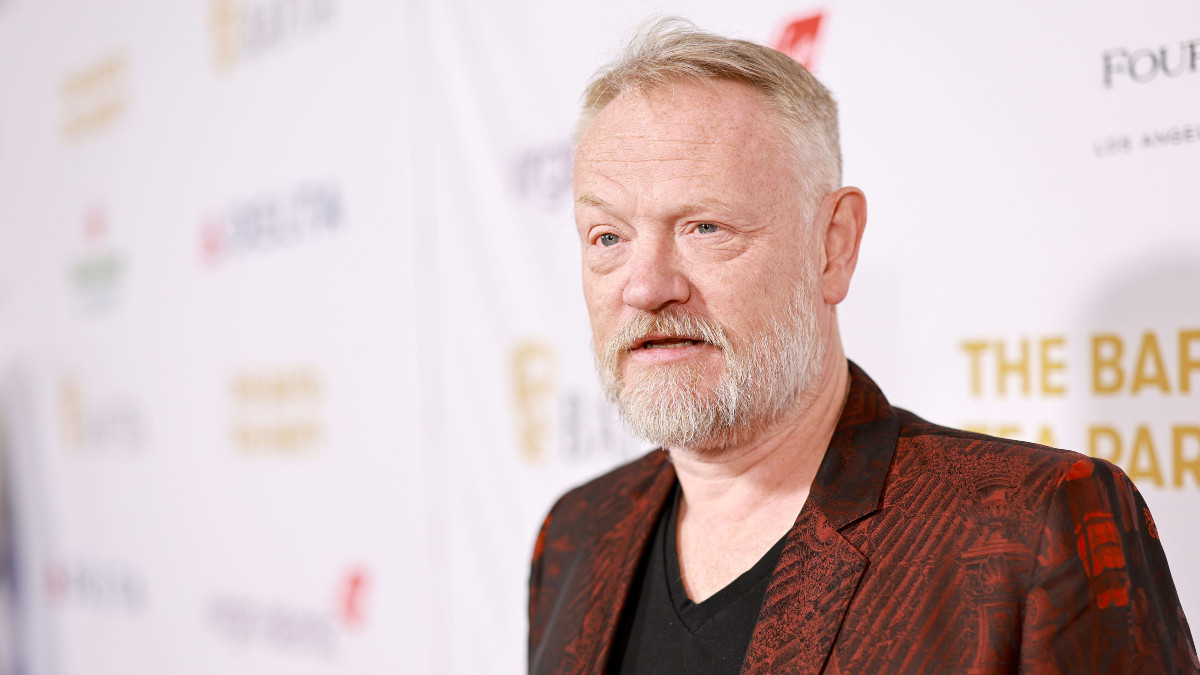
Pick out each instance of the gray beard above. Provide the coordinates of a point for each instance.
(671, 405)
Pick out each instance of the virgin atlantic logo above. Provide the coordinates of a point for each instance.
(541, 174)
(800, 38)
(299, 629)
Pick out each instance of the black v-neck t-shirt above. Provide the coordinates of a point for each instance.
(662, 632)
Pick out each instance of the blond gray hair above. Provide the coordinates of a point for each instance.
(669, 50)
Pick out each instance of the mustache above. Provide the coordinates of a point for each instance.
(670, 323)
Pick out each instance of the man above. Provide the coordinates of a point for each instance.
(794, 521)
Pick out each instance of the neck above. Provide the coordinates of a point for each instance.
(774, 468)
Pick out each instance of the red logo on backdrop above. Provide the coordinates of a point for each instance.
(95, 224)
(212, 240)
(801, 39)
(350, 597)
(56, 582)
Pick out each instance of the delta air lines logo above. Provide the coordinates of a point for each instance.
(800, 38)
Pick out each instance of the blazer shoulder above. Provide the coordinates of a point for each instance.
(606, 499)
(920, 433)
(979, 465)
(623, 477)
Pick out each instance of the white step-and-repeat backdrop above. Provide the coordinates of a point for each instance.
(293, 355)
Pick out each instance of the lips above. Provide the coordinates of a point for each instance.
(665, 342)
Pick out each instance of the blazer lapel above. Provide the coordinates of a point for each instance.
(623, 548)
(809, 594)
(819, 569)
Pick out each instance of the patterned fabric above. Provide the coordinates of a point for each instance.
(921, 549)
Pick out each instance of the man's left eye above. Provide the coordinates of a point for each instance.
(706, 228)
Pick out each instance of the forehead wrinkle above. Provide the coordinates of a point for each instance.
(671, 151)
(639, 145)
(649, 173)
(704, 196)
(610, 138)
(647, 160)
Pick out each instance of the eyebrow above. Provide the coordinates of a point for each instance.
(710, 205)
(589, 199)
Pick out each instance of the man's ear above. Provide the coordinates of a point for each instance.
(847, 217)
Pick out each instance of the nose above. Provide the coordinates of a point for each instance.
(656, 279)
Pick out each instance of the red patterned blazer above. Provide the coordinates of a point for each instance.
(921, 549)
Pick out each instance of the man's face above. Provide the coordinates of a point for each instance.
(699, 268)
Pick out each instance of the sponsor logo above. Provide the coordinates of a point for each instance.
(556, 422)
(800, 38)
(541, 175)
(292, 628)
(246, 29)
(534, 368)
(94, 96)
(276, 411)
(351, 598)
(271, 222)
(96, 425)
(1147, 64)
(96, 275)
(93, 585)
(1117, 145)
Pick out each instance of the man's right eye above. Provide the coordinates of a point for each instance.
(608, 239)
